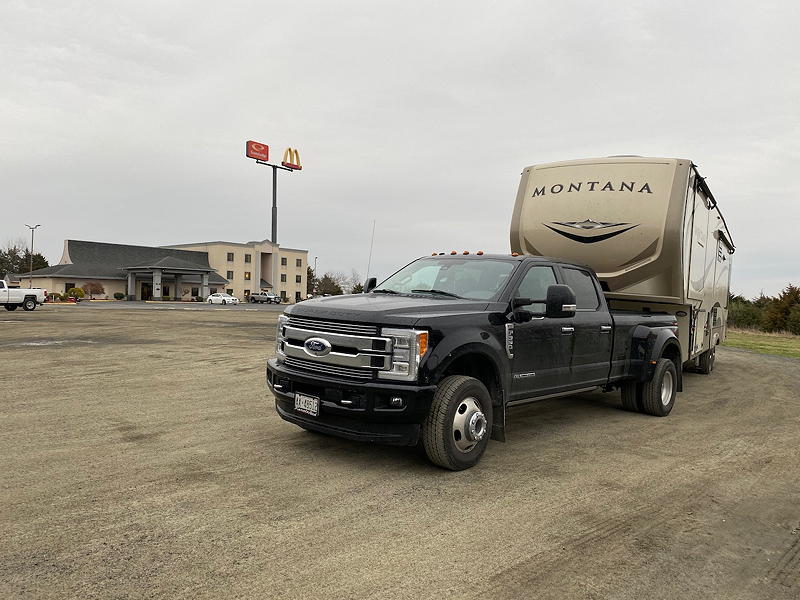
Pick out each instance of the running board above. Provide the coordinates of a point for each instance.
(556, 395)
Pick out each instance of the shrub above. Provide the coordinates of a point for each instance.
(75, 293)
(778, 309)
(167, 298)
(793, 320)
(745, 315)
(119, 295)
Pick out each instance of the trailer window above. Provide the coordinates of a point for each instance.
(583, 286)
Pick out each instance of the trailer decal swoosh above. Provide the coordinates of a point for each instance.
(589, 239)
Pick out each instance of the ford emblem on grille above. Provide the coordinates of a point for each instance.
(317, 346)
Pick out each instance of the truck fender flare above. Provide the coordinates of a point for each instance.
(488, 350)
(658, 343)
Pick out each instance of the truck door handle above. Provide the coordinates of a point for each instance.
(567, 330)
(605, 328)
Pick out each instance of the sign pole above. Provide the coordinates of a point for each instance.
(274, 204)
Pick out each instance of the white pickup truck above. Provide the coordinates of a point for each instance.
(28, 298)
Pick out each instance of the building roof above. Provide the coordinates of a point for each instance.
(101, 260)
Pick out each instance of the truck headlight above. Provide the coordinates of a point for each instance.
(408, 348)
(283, 320)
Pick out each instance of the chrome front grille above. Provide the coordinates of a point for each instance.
(353, 351)
(333, 370)
(332, 326)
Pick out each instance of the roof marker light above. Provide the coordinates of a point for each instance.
(515, 254)
(452, 252)
(465, 252)
(479, 253)
(434, 253)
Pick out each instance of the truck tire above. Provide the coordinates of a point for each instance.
(29, 304)
(631, 392)
(456, 431)
(705, 363)
(11, 307)
(658, 394)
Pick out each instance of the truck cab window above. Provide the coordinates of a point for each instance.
(535, 284)
(583, 286)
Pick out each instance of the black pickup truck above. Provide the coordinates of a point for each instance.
(440, 350)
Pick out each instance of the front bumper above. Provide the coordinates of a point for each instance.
(353, 410)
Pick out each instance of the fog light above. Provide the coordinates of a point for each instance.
(396, 402)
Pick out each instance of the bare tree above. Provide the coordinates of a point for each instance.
(92, 288)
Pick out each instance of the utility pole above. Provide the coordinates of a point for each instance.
(316, 277)
(371, 243)
(33, 228)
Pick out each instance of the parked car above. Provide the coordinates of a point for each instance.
(267, 297)
(222, 298)
(27, 298)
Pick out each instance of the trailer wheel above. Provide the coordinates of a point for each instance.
(632, 396)
(658, 394)
(706, 361)
(29, 304)
(456, 431)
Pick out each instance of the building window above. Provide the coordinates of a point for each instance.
(166, 290)
(229, 291)
(283, 277)
(195, 292)
(247, 293)
(283, 295)
(297, 297)
(230, 256)
(298, 262)
(284, 261)
(229, 275)
(298, 279)
(248, 258)
(213, 290)
(247, 275)
(68, 287)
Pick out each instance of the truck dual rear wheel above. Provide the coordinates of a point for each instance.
(632, 396)
(29, 304)
(457, 428)
(658, 394)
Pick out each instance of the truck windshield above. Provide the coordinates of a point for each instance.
(472, 279)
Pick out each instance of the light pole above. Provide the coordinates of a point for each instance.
(316, 278)
(33, 228)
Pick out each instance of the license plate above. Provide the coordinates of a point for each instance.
(306, 404)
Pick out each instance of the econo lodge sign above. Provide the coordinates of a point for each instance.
(257, 150)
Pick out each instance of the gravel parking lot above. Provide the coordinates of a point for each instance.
(142, 458)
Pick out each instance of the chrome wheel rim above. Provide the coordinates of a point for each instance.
(469, 425)
(667, 384)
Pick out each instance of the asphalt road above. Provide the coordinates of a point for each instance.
(142, 458)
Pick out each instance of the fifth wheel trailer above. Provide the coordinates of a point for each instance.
(649, 227)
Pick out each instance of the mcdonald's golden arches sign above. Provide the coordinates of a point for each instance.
(291, 159)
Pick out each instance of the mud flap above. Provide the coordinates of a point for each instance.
(499, 423)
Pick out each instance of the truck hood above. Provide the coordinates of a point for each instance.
(384, 309)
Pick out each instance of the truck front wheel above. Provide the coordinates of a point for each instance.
(28, 304)
(457, 428)
(658, 394)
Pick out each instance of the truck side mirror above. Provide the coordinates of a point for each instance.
(560, 302)
(372, 282)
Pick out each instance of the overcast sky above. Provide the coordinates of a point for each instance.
(126, 121)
